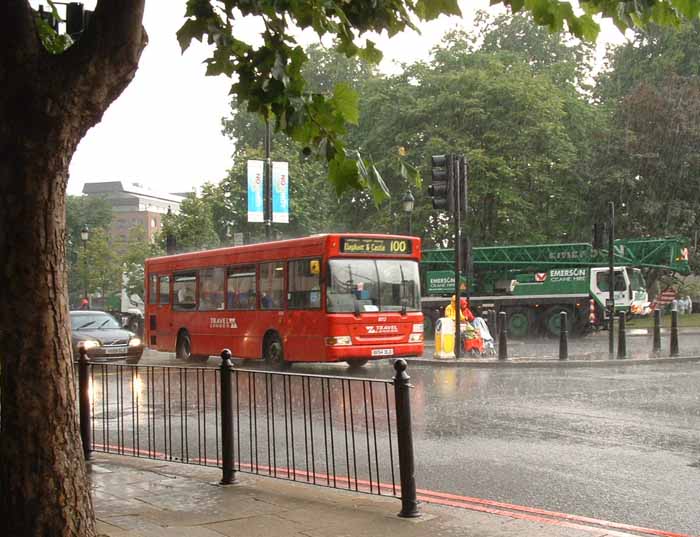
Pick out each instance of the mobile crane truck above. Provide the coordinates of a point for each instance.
(534, 283)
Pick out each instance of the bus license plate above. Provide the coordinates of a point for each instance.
(115, 350)
(382, 352)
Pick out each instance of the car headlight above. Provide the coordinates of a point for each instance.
(338, 341)
(88, 344)
(134, 342)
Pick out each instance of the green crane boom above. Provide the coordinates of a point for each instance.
(667, 254)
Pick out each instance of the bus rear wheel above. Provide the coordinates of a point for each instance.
(356, 364)
(273, 352)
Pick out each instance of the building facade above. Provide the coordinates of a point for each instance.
(134, 206)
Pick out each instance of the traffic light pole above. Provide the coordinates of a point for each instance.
(267, 175)
(611, 280)
(454, 163)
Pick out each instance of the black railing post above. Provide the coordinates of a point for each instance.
(563, 336)
(621, 337)
(229, 475)
(404, 432)
(674, 333)
(656, 345)
(84, 402)
(502, 336)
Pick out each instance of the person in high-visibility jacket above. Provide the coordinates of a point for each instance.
(465, 312)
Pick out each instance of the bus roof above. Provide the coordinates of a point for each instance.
(312, 245)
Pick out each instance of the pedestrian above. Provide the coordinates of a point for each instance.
(85, 304)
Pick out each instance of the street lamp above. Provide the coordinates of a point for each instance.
(84, 236)
(408, 201)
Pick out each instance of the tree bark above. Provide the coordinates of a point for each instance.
(47, 103)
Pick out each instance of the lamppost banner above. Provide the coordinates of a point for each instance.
(255, 191)
(280, 192)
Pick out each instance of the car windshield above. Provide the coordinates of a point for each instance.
(80, 321)
(367, 285)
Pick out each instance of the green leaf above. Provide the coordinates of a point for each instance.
(370, 53)
(343, 173)
(345, 100)
(192, 29)
(377, 186)
(432, 9)
(411, 174)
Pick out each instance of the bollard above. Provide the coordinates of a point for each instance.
(621, 337)
(674, 333)
(84, 402)
(229, 475)
(404, 432)
(502, 336)
(563, 336)
(656, 345)
(491, 315)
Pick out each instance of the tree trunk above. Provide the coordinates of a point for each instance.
(47, 103)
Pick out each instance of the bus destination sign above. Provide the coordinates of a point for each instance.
(358, 245)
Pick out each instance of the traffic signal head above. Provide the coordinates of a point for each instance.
(442, 182)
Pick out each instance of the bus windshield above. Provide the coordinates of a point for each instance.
(371, 285)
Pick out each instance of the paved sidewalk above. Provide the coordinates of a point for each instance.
(143, 498)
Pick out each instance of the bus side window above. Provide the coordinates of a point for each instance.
(272, 285)
(304, 289)
(185, 291)
(153, 289)
(164, 290)
(211, 289)
(241, 288)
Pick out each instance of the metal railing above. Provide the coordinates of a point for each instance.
(339, 432)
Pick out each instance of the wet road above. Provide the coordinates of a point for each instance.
(618, 443)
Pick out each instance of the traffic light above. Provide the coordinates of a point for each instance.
(77, 20)
(441, 188)
(467, 259)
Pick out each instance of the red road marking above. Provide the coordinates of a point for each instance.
(428, 496)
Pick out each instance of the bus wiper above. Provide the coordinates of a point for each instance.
(404, 300)
(355, 302)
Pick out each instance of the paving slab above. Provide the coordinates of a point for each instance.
(142, 498)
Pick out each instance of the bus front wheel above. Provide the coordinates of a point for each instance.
(273, 352)
(183, 349)
(356, 364)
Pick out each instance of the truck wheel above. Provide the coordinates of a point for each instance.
(551, 320)
(519, 323)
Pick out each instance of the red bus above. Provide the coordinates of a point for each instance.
(325, 298)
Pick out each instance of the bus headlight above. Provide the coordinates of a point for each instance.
(134, 342)
(338, 341)
(418, 328)
(415, 338)
(89, 344)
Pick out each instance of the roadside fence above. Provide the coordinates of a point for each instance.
(339, 432)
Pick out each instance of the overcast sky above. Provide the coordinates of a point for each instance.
(164, 131)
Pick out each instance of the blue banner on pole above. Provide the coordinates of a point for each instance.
(255, 191)
(280, 192)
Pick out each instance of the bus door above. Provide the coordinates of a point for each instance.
(271, 315)
(159, 320)
(304, 321)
